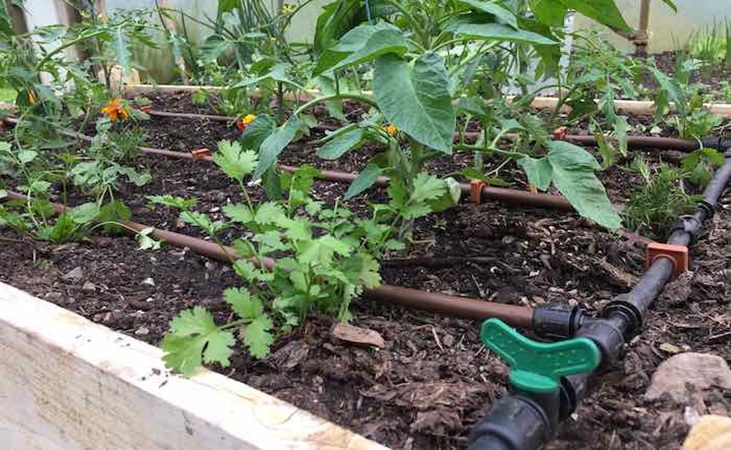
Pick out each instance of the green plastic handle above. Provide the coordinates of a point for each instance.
(538, 366)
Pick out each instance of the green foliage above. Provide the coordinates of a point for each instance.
(571, 170)
(326, 257)
(654, 207)
(698, 166)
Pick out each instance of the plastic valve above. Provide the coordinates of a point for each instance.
(538, 366)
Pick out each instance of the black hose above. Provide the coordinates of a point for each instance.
(516, 415)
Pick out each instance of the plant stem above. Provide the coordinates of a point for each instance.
(313, 102)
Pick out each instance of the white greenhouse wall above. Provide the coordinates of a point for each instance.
(668, 30)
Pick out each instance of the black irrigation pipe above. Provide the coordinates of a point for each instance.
(526, 419)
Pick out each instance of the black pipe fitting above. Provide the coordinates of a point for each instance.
(623, 306)
(720, 143)
(524, 420)
(517, 422)
(573, 389)
(558, 319)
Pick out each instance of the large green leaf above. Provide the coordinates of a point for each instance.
(341, 144)
(121, 46)
(670, 90)
(603, 11)
(366, 179)
(480, 26)
(495, 9)
(274, 144)
(364, 43)
(213, 47)
(571, 168)
(549, 12)
(415, 98)
(257, 131)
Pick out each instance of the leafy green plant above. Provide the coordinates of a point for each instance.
(325, 258)
(693, 120)
(424, 56)
(654, 207)
(699, 165)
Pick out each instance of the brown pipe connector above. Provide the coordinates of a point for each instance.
(200, 154)
(449, 305)
(476, 191)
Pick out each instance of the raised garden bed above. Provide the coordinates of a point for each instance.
(433, 380)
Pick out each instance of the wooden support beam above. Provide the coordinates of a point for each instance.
(67, 383)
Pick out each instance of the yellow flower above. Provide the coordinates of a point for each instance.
(115, 110)
(286, 9)
(245, 121)
(390, 129)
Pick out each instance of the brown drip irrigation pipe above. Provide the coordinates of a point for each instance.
(449, 305)
(509, 196)
(512, 196)
(634, 142)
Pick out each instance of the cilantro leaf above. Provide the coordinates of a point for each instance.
(175, 202)
(234, 161)
(257, 336)
(243, 303)
(193, 339)
(238, 212)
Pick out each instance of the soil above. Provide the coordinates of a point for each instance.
(434, 380)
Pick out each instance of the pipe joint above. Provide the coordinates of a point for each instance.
(516, 422)
(718, 142)
(622, 306)
(558, 319)
(609, 339)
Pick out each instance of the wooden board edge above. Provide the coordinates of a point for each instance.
(66, 382)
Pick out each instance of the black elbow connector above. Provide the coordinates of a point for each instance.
(514, 422)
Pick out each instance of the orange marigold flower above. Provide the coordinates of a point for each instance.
(390, 129)
(115, 110)
(245, 121)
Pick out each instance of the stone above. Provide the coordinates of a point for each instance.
(148, 281)
(709, 433)
(142, 331)
(89, 287)
(697, 369)
(74, 275)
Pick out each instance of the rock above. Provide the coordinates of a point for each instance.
(148, 281)
(697, 369)
(357, 335)
(710, 433)
(75, 275)
(142, 331)
(89, 287)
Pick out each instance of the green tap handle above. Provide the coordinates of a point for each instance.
(538, 366)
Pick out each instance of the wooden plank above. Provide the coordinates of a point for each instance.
(66, 383)
(639, 107)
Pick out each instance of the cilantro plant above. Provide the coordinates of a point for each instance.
(324, 257)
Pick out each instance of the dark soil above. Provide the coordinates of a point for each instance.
(434, 380)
